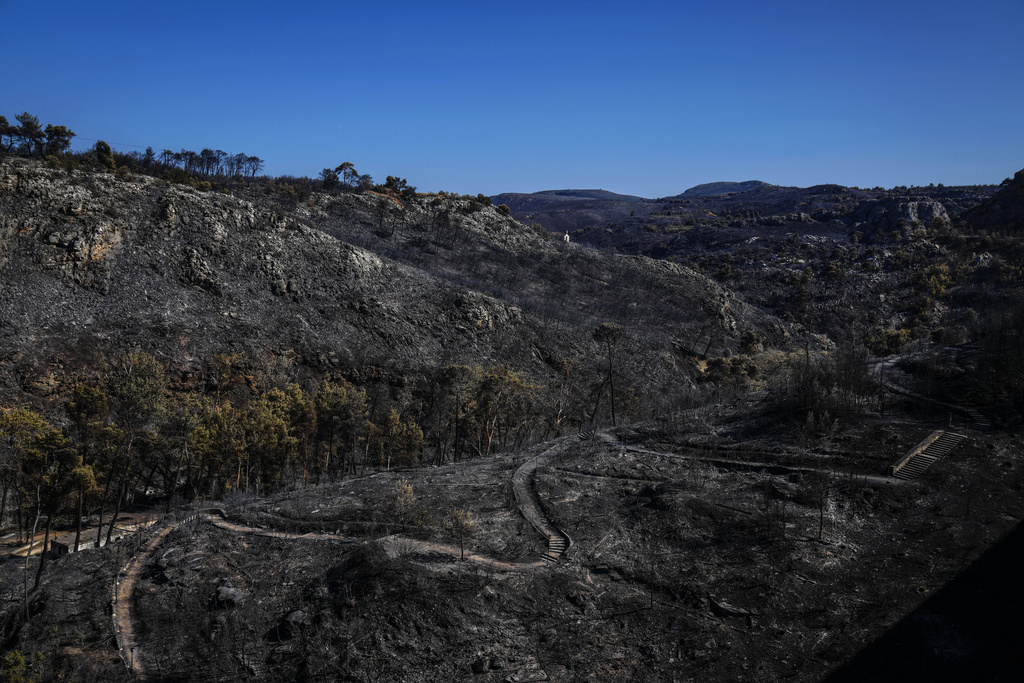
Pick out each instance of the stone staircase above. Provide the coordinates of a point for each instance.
(529, 505)
(924, 455)
(980, 421)
(556, 546)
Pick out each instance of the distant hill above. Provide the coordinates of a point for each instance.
(592, 194)
(725, 187)
(569, 210)
(560, 200)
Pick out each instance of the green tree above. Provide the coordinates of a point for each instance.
(105, 156)
(296, 411)
(16, 669)
(218, 440)
(329, 179)
(341, 420)
(181, 466)
(398, 186)
(138, 386)
(50, 468)
(401, 504)
(504, 405)
(94, 437)
(58, 139)
(268, 441)
(397, 441)
(7, 131)
(458, 391)
(30, 133)
(348, 174)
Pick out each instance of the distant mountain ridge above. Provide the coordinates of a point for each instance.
(723, 187)
(592, 194)
(704, 190)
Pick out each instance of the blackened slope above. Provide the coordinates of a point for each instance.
(969, 630)
(1004, 211)
(93, 264)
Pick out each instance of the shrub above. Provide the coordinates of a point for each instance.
(885, 342)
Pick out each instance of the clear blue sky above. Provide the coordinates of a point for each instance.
(637, 97)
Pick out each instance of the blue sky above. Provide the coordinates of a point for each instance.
(639, 97)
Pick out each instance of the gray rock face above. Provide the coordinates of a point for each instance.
(92, 265)
(903, 215)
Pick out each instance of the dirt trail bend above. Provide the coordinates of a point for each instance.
(527, 502)
(124, 585)
(395, 544)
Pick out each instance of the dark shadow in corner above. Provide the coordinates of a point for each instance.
(972, 629)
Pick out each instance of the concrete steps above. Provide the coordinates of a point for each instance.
(980, 422)
(556, 547)
(529, 505)
(925, 454)
(915, 467)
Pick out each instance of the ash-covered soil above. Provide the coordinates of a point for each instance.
(695, 555)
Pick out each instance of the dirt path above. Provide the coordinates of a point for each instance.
(526, 500)
(394, 545)
(753, 466)
(126, 524)
(124, 585)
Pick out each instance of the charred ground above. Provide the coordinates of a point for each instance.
(737, 522)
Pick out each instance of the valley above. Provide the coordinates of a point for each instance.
(398, 436)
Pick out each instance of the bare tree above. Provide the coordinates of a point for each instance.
(609, 334)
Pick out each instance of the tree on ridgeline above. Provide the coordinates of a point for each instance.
(105, 156)
(348, 175)
(30, 133)
(7, 131)
(253, 165)
(58, 140)
(329, 179)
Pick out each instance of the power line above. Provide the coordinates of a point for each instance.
(119, 144)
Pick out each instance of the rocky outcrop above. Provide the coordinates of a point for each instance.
(92, 265)
(903, 215)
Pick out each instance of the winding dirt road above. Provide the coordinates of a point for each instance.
(527, 502)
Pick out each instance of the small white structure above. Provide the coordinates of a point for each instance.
(566, 238)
